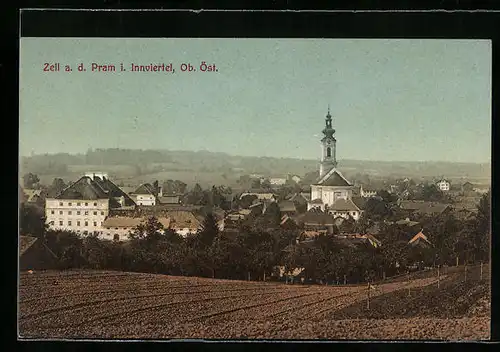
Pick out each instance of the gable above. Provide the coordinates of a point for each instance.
(334, 178)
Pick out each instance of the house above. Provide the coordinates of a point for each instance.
(443, 185)
(365, 193)
(287, 207)
(317, 221)
(117, 228)
(295, 178)
(35, 255)
(146, 194)
(169, 199)
(84, 205)
(345, 208)
(183, 222)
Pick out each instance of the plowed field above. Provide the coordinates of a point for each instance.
(98, 304)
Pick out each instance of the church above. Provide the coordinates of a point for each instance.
(332, 192)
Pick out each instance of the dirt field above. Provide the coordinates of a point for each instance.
(97, 304)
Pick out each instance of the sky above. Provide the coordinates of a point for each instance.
(391, 100)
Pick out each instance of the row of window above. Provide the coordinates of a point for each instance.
(78, 223)
(77, 204)
(78, 212)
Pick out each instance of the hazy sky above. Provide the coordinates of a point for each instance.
(390, 99)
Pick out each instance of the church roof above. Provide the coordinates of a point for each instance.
(333, 178)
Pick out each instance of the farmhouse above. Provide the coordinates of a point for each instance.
(183, 222)
(146, 194)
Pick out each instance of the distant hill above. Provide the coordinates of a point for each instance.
(135, 165)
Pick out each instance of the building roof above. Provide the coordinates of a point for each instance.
(418, 238)
(128, 189)
(32, 194)
(259, 195)
(333, 178)
(424, 207)
(359, 201)
(287, 205)
(407, 222)
(145, 188)
(317, 218)
(25, 242)
(183, 219)
(344, 205)
(169, 199)
(127, 222)
(89, 188)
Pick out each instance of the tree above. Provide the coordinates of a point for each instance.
(196, 195)
(32, 221)
(209, 230)
(30, 181)
(57, 187)
(255, 184)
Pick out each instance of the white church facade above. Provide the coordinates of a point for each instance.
(332, 192)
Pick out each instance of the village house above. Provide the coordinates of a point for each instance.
(84, 205)
(365, 193)
(146, 194)
(422, 207)
(117, 228)
(287, 207)
(183, 222)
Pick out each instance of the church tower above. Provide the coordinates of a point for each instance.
(328, 147)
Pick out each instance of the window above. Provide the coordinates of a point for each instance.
(52, 212)
(51, 223)
(60, 223)
(78, 223)
(95, 213)
(69, 212)
(86, 204)
(116, 237)
(69, 204)
(95, 204)
(102, 213)
(86, 212)
(78, 212)
(60, 212)
(60, 204)
(86, 223)
(69, 223)
(328, 152)
(79, 204)
(95, 223)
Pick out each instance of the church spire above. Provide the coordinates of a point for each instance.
(329, 147)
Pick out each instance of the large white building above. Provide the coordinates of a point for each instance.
(84, 205)
(332, 192)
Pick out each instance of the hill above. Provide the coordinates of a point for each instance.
(136, 166)
(104, 304)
